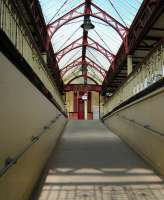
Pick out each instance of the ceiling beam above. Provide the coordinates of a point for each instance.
(82, 87)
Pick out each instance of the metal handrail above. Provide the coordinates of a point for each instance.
(151, 70)
(147, 127)
(9, 162)
(20, 32)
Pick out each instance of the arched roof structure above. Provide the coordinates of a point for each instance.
(87, 54)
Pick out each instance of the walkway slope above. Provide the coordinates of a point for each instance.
(92, 163)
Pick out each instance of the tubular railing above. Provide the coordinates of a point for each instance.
(145, 126)
(149, 72)
(10, 161)
(17, 31)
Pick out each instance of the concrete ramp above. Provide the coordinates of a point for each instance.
(92, 163)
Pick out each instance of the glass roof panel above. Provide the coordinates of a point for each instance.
(81, 81)
(70, 57)
(123, 11)
(63, 38)
(98, 58)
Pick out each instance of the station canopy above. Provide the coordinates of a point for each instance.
(67, 40)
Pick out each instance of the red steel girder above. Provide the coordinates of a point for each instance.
(90, 43)
(96, 12)
(95, 65)
(76, 77)
(79, 62)
(82, 88)
(147, 16)
(87, 9)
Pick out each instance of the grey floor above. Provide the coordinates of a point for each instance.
(92, 163)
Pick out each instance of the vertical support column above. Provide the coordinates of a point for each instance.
(44, 55)
(85, 109)
(129, 64)
(75, 102)
(65, 100)
(99, 105)
(89, 102)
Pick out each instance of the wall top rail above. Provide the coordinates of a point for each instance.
(148, 91)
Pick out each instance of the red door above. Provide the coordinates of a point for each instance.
(80, 109)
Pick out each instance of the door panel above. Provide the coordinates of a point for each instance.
(80, 109)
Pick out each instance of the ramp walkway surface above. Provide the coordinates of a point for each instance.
(92, 163)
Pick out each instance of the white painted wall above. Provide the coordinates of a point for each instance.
(148, 111)
(24, 111)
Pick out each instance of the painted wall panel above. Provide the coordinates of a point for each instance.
(24, 111)
(148, 112)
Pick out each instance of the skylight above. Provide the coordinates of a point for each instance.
(104, 35)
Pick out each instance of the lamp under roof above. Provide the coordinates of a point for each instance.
(87, 25)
